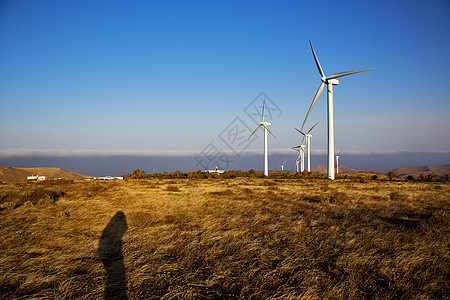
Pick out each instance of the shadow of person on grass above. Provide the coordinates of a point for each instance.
(110, 252)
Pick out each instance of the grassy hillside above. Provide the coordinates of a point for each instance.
(225, 239)
(17, 174)
(11, 174)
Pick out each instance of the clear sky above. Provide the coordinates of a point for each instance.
(165, 76)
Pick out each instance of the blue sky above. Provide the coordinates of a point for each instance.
(159, 76)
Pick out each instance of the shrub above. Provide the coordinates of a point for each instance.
(430, 177)
(447, 177)
(392, 175)
(396, 196)
(172, 188)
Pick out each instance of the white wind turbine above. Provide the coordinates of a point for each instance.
(282, 166)
(330, 81)
(302, 162)
(298, 159)
(266, 129)
(308, 137)
(301, 158)
(337, 162)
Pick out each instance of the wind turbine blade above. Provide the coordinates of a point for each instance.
(337, 75)
(313, 127)
(270, 131)
(317, 60)
(264, 104)
(257, 128)
(339, 153)
(299, 131)
(319, 91)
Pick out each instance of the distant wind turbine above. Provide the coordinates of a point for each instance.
(308, 137)
(266, 129)
(330, 81)
(337, 162)
(282, 166)
(302, 161)
(301, 158)
(297, 160)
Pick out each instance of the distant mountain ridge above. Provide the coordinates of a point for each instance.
(416, 171)
(12, 174)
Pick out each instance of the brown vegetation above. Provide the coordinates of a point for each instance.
(240, 238)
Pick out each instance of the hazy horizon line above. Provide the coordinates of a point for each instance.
(9, 153)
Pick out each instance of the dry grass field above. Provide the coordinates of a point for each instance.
(240, 238)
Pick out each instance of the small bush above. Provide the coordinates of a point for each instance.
(391, 175)
(430, 177)
(447, 177)
(172, 188)
(396, 196)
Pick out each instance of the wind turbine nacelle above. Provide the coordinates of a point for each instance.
(334, 81)
(266, 123)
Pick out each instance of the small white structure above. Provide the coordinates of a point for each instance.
(216, 170)
(108, 178)
(36, 177)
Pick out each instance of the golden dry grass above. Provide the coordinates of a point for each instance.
(224, 239)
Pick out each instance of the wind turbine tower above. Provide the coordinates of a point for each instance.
(329, 81)
(297, 161)
(301, 157)
(266, 129)
(308, 137)
(337, 162)
(302, 161)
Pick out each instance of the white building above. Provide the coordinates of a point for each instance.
(109, 178)
(216, 170)
(36, 177)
